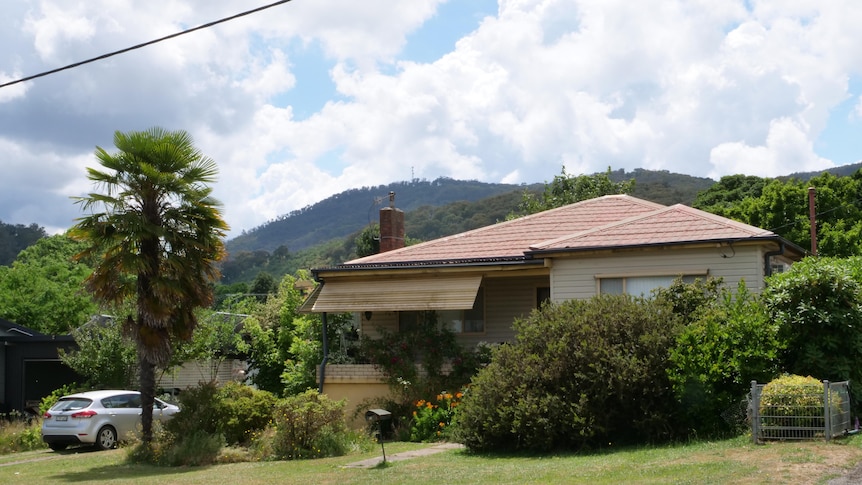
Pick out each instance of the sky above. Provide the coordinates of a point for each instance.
(314, 97)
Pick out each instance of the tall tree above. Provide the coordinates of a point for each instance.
(782, 207)
(567, 189)
(155, 232)
(42, 288)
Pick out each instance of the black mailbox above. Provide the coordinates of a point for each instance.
(381, 420)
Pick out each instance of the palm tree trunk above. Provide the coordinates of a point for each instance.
(148, 391)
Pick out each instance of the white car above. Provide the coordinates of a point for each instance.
(99, 418)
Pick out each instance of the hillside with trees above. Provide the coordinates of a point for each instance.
(326, 233)
(349, 211)
(16, 237)
(444, 201)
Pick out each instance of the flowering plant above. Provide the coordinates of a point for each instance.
(431, 420)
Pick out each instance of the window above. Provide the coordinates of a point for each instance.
(638, 285)
(459, 321)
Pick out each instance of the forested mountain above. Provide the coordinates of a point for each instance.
(663, 187)
(345, 213)
(16, 237)
(323, 234)
(350, 211)
(842, 171)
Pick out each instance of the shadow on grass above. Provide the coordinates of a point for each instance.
(600, 450)
(124, 471)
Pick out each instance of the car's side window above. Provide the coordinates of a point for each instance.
(134, 400)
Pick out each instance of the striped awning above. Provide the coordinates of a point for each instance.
(427, 292)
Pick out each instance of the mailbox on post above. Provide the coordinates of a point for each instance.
(380, 421)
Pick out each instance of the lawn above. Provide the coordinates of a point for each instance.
(734, 461)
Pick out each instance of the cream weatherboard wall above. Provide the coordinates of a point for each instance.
(506, 298)
(577, 278)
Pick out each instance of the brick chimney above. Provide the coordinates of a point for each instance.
(391, 226)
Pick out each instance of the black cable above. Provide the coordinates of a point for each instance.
(816, 215)
(127, 49)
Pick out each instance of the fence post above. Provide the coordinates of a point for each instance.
(755, 412)
(827, 412)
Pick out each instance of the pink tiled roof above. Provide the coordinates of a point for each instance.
(512, 238)
(609, 221)
(675, 224)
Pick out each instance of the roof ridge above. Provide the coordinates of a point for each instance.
(518, 220)
(754, 231)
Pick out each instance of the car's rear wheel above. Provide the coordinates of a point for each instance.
(57, 446)
(107, 438)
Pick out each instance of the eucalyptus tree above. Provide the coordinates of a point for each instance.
(567, 189)
(155, 234)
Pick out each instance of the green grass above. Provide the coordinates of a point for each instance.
(734, 461)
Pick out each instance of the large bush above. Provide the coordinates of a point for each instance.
(581, 373)
(729, 341)
(242, 411)
(818, 304)
(233, 411)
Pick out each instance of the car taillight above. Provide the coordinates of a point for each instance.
(47, 415)
(84, 414)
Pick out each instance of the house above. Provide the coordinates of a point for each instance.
(30, 366)
(479, 281)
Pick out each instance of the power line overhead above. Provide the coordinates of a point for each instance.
(144, 44)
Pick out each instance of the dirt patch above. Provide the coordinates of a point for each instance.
(799, 462)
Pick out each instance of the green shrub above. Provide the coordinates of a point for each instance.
(308, 425)
(795, 401)
(197, 449)
(581, 373)
(727, 344)
(242, 411)
(18, 434)
(51, 399)
(199, 412)
(818, 304)
(234, 412)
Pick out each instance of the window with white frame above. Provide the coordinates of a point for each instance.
(640, 285)
(458, 321)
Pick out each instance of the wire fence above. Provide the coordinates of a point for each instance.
(800, 411)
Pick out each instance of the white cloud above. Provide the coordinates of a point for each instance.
(698, 87)
(787, 149)
(14, 91)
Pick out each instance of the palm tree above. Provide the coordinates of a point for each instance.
(156, 234)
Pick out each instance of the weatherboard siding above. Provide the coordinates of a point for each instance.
(192, 374)
(575, 278)
(505, 300)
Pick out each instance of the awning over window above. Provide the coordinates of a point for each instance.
(429, 292)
